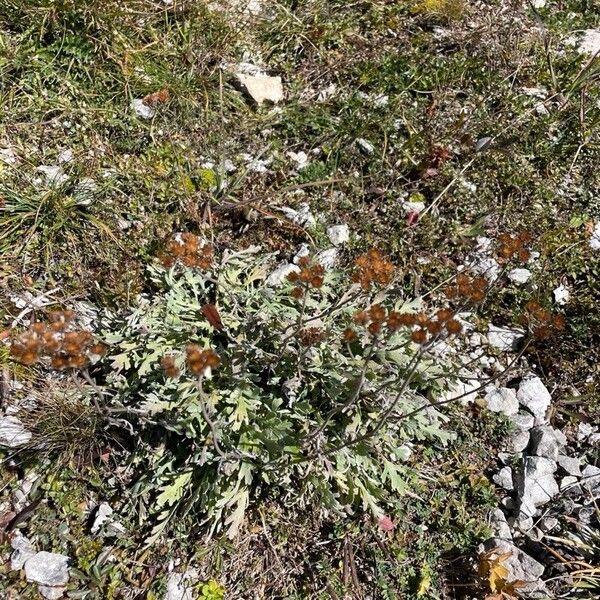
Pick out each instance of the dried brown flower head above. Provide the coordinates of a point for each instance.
(349, 335)
(189, 250)
(372, 268)
(434, 327)
(377, 313)
(169, 367)
(453, 327)
(310, 336)
(542, 322)
(514, 246)
(201, 361)
(467, 287)
(361, 317)
(419, 336)
(396, 320)
(444, 314)
(159, 97)
(374, 328)
(56, 343)
(311, 275)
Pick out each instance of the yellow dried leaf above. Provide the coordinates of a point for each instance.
(492, 568)
(497, 577)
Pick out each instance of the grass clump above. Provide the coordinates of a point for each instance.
(64, 424)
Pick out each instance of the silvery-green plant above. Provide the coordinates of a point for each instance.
(303, 382)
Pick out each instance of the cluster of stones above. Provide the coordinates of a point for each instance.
(536, 469)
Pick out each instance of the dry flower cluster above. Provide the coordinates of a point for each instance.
(159, 97)
(310, 276)
(57, 342)
(542, 322)
(188, 249)
(514, 246)
(371, 268)
(310, 336)
(376, 318)
(200, 361)
(169, 367)
(467, 287)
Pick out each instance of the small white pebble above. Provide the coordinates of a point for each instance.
(279, 275)
(365, 146)
(54, 175)
(561, 295)
(520, 276)
(300, 158)
(327, 258)
(338, 234)
(141, 109)
(65, 156)
(595, 239)
(8, 156)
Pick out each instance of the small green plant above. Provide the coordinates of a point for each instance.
(212, 590)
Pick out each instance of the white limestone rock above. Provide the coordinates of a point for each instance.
(338, 234)
(535, 483)
(13, 433)
(504, 478)
(571, 466)
(519, 276)
(54, 175)
(568, 482)
(520, 565)
(180, 586)
(47, 568)
(300, 158)
(66, 156)
(461, 391)
(504, 338)
(518, 441)
(327, 258)
(586, 42)
(261, 88)
(301, 216)
(51, 592)
(500, 525)
(533, 395)
(326, 93)
(595, 237)
(85, 191)
(105, 523)
(547, 442)
(279, 275)
(523, 420)
(141, 109)
(584, 431)
(8, 156)
(365, 146)
(23, 550)
(561, 295)
(502, 400)
(591, 480)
